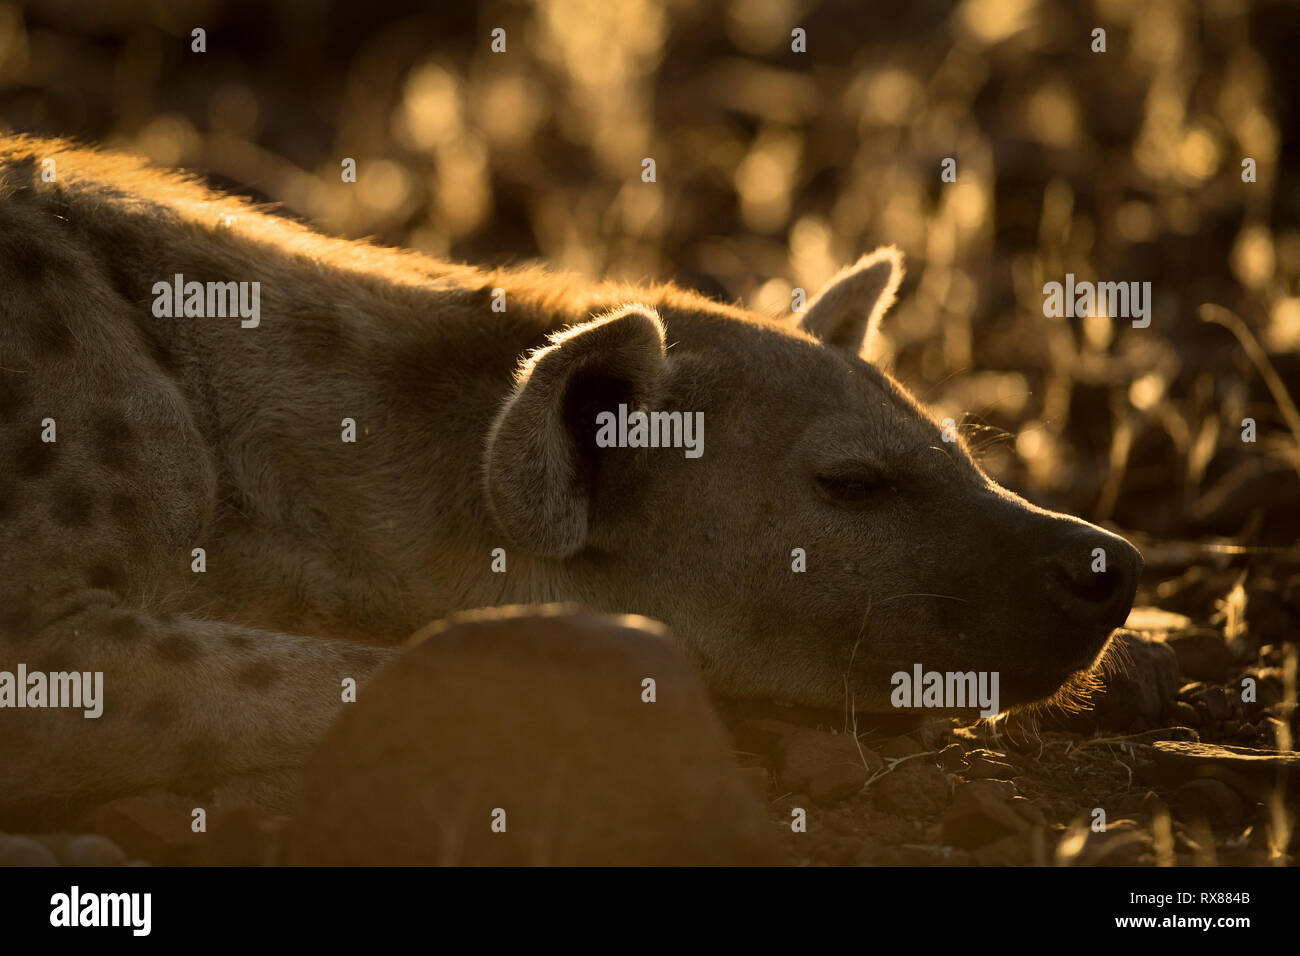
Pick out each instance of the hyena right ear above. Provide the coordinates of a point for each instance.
(540, 461)
(847, 311)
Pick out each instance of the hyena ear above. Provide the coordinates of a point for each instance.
(846, 312)
(541, 459)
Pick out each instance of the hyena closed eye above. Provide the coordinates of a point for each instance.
(241, 461)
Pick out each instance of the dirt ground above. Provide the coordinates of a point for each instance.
(777, 168)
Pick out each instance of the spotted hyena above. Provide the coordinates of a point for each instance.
(230, 509)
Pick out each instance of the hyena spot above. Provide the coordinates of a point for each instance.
(50, 335)
(13, 396)
(201, 759)
(54, 660)
(7, 496)
(34, 456)
(104, 576)
(240, 641)
(17, 623)
(159, 711)
(27, 261)
(73, 506)
(177, 649)
(113, 442)
(322, 342)
(124, 626)
(124, 509)
(259, 675)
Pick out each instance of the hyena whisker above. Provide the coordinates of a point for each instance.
(945, 597)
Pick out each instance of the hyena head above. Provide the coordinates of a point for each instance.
(827, 532)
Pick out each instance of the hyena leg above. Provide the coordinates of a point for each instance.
(185, 704)
(106, 485)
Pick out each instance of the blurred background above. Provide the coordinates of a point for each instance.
(775, 167)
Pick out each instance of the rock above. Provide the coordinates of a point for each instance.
(979, 816)
(1214, 703)
(1175, 760)
(915, 788)
(243, 837)
(805, 755)
(1201, 653)
(1013, 850)
(24, 851)
(1142, 679)
(1186, 714)
(933, 734)
(837, 783)
(1028, 810)
(84, 849)
(900, 747)
(762, 735)
(912, 854)
(983, 767)
(154, 825)
(1124, 843)
(998, 789)
(1210, 800)
(519, 736)
(952, 758)
(1163, 733)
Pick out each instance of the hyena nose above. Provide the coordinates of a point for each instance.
(1095, 575)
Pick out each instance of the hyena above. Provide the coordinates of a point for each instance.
(182, 510)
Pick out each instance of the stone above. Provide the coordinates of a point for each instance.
(984, 767)
(837, 783)
(1141, 681)
(806, 754)
(900, 747)
(914, 788)
(519, 736)
(84, 849)
(24, 851)
(762, 735)
(1176, 760)
(1210, 800)
(1201, 654)
(979, 816)
(154, 826)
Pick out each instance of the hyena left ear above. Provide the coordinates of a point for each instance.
(847, 311)
(541, 462)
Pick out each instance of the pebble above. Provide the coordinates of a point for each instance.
(978, 816)
(84, 849)
(900, 747)
(915, 788)
(1139, 688)
(1201, 654)
(154, 825)
(24, 851)
(807, 755)
(1211, 800)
